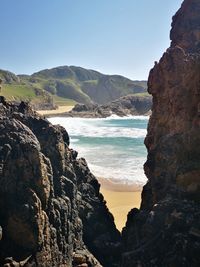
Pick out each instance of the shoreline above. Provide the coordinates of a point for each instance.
(120, 195)
(120, 199)
(64, 111)
(119, 185)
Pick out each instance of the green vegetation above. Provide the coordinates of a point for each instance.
(17, 92)
(145, 94)
(68, 85)
(141, 83)
(90, 82)
(61, 101)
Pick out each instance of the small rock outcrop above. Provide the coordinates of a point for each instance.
(124, 106)
(166, 229)
(51, 211)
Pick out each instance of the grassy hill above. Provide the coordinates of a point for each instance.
(18, 88)
(68, 85)
(85, 85)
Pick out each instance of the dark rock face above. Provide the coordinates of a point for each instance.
(167, 235)
(97, 218)
(127, 105)
(50, 204)
(166, 230)
(186, 27)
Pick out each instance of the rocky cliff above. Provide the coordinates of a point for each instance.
(51, 211)
(166, 229)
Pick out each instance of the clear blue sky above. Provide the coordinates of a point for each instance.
(113, 36)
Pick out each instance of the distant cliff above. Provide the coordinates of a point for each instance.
(166, 230)
(67, 85)
(124, 106)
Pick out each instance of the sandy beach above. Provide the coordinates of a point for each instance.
(60, 110)
(120, 199)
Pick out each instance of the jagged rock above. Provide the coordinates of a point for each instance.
(185, 27)
(47, 197)
(84, 107)
(167, 235)
(96, 216)
(124, 106)
(165, 231)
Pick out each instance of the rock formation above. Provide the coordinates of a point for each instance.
(51, 211)
(166, 229)
(124, 106)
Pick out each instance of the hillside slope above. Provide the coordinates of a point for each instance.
(15, 89)
(85, 85)
(68, 85)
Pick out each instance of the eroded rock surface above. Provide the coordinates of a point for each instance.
(51, 211)
(166, 230)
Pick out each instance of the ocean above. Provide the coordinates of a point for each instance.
(113, 147)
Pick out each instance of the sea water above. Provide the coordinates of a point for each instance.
(113, 147)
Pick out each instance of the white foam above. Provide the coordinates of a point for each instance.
(125, 174)
(112, 117)
(87, 128)
(141, 117)
(74, 140)
(114, 164)
(112, 159)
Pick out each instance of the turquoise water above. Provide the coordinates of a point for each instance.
(113, 147)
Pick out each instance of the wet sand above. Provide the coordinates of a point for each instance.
(120, 199)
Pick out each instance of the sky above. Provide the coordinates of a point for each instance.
(121, 37)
